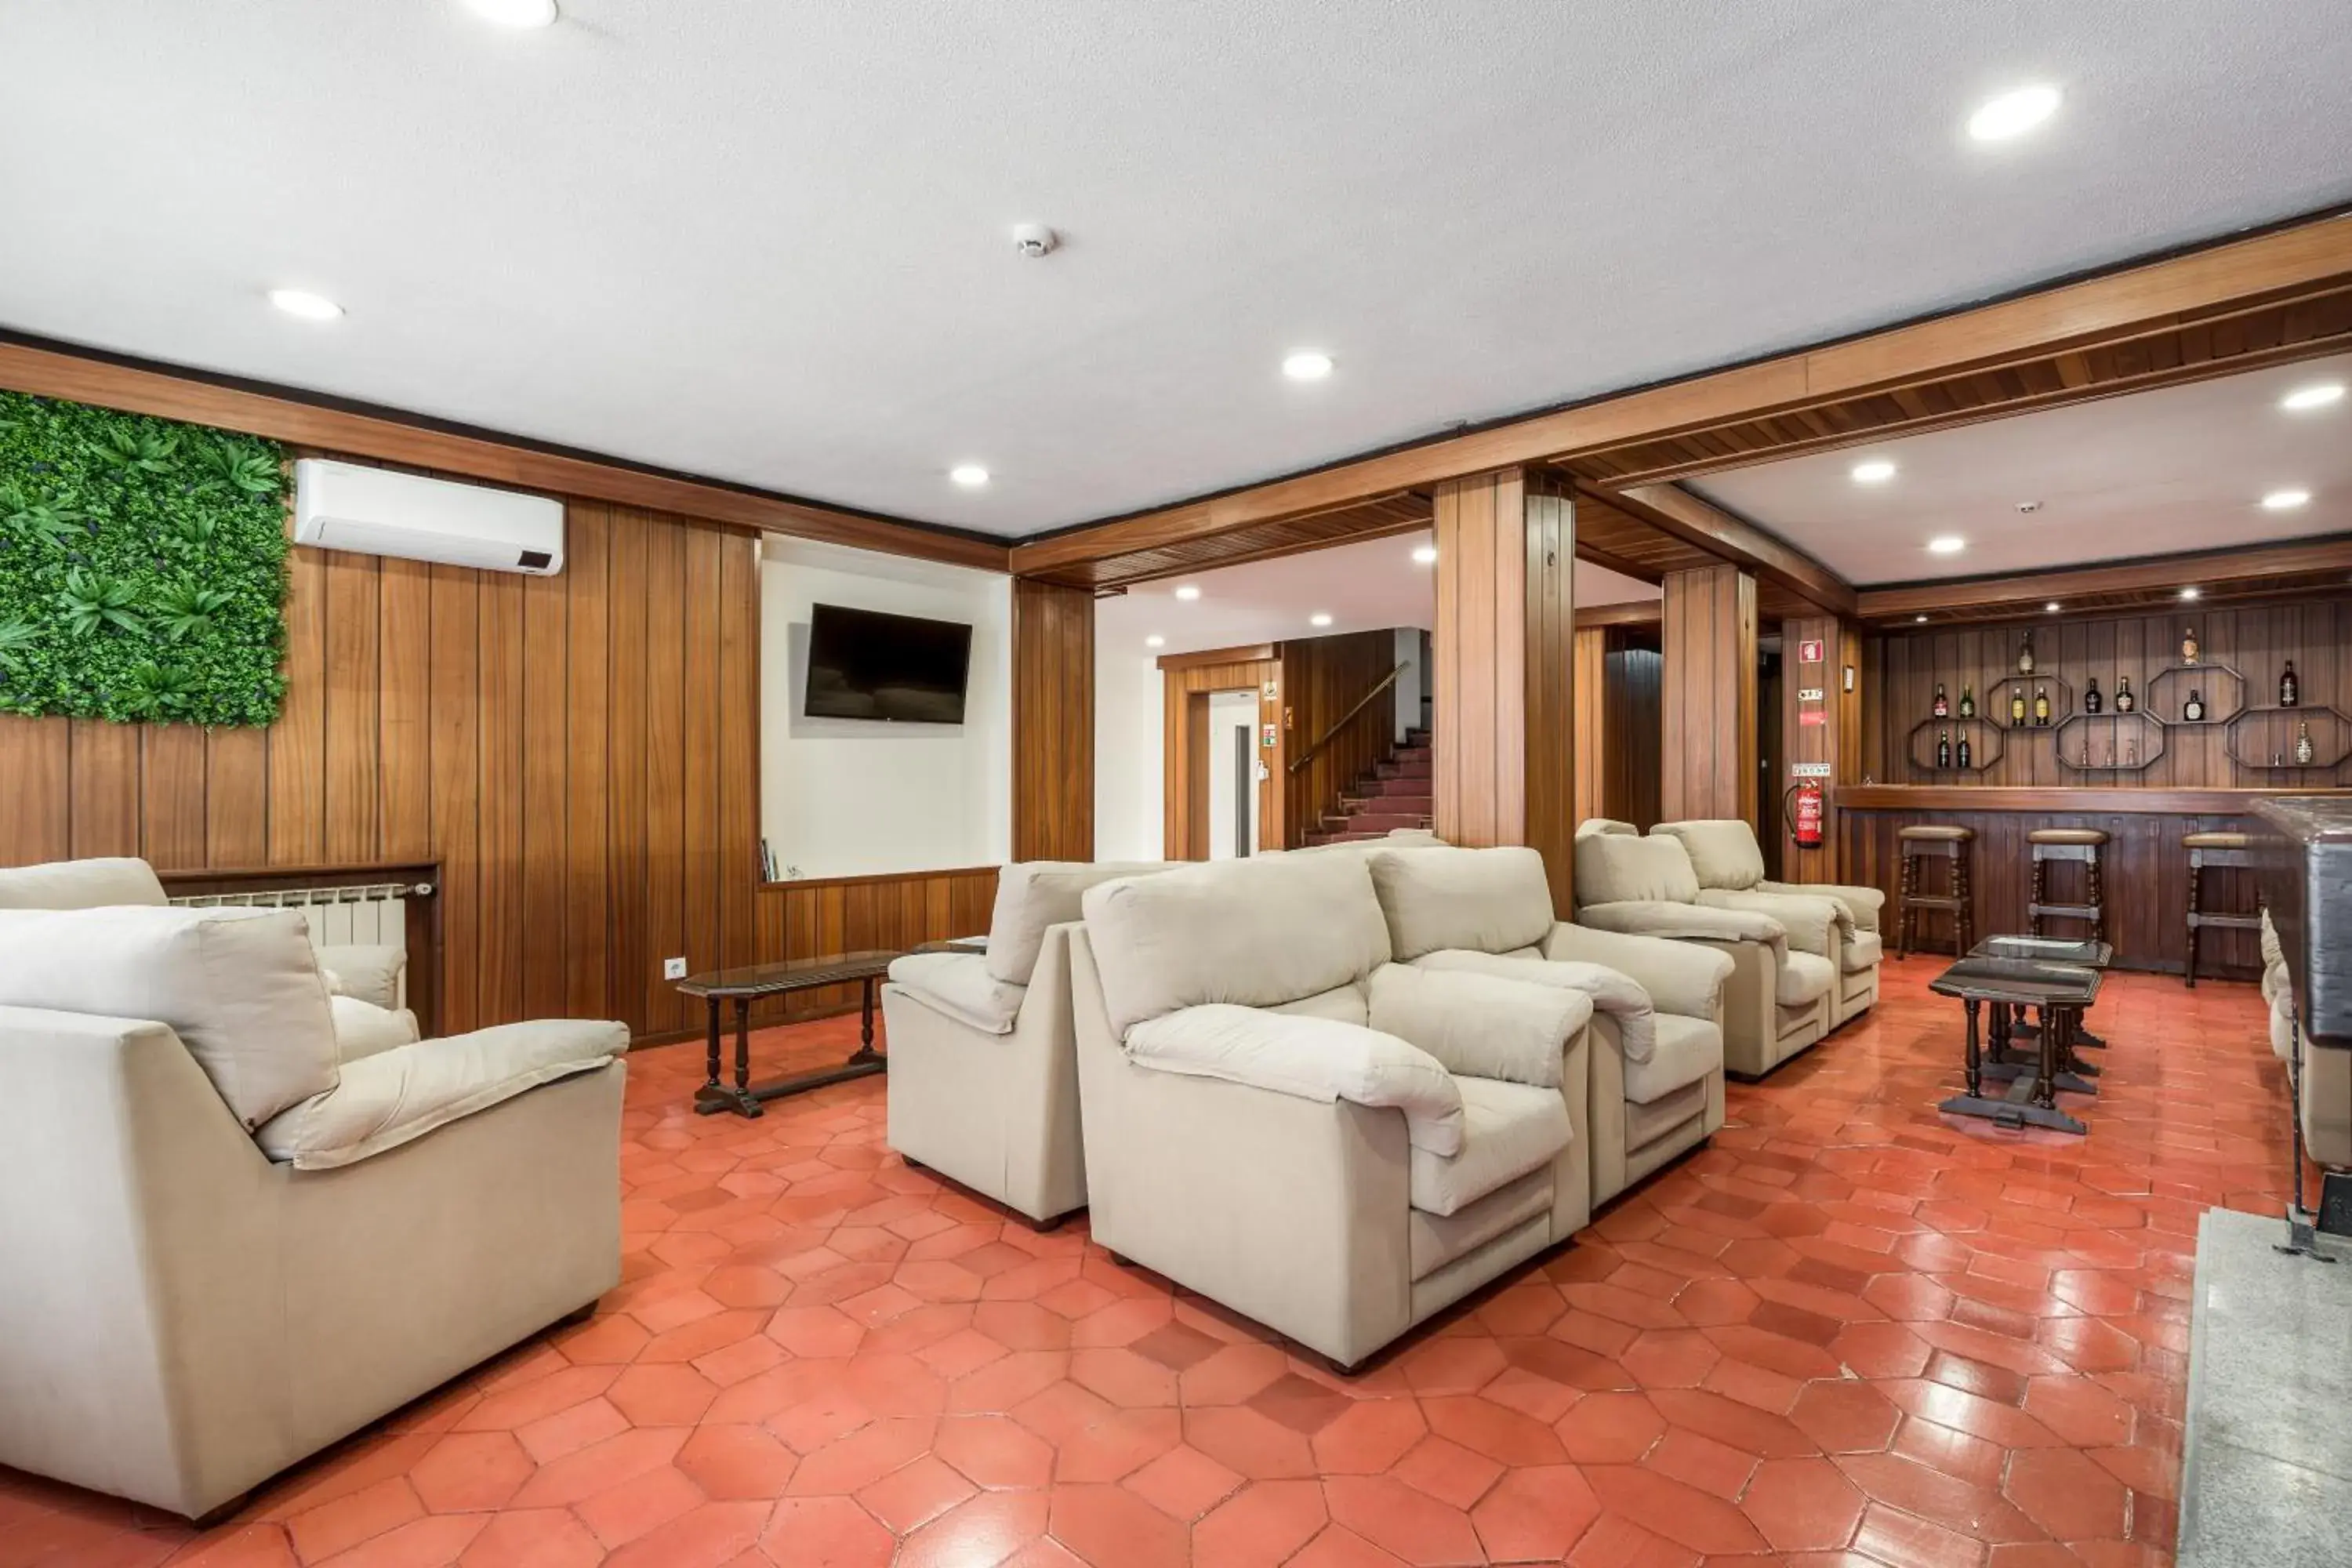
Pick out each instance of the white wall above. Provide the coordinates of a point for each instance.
(843, 798)
(1128, 741)
(1232, 726)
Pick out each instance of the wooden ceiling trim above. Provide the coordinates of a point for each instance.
(1380, 518)
(1632, 613)
(1742, 543)
(2288, 566)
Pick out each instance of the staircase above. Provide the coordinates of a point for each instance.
(1395, 794)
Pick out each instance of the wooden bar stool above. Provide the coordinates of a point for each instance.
(2087, 844)
(1948, 844)
(2214, 849)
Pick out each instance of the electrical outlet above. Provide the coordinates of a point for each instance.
(673, 969)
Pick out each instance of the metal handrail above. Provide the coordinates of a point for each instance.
(1362, 702)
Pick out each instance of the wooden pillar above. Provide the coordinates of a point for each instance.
(1504, 698)
(1591, 661)
(1823, 729)
(1053, 722)
(1708, 755)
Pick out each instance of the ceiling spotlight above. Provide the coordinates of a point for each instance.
(1155, 640)
(514, 12)
(1947, 544)
(304, 303)
(2303, 399)
(2013, 114)
(2187, 592)
(2284, 500)
(2051, 608)
(1425, 555)
(1306, 365)
(1187, 593)
(1318, 619)
(1877, 471)
(1920, 618)
(971, 476)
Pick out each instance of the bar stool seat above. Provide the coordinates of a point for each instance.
(2066, 836)
(2087, 844)
(2215, 849)
(2215, 841)
(1931, 841)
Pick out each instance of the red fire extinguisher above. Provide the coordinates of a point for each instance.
(1804, 814)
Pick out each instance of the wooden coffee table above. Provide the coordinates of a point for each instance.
(2059, 993)
(2006, 1055)
(742, 986)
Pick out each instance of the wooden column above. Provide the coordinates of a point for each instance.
(1708, 756)
(1823, 729)
(1053, 722)
(1591, 662)
(1504, 689)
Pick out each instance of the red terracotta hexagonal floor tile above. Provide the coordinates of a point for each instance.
(1399, 1519)
(1535, 1514)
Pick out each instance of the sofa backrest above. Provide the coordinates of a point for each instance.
(1593, 824)
(79, 885)
(1487, 901)
(240, 988)
(1033, 894)
(1615, 869)
(1723, 851)
(1257, 932)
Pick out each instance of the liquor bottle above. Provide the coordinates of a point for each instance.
(2025, 656)
(2131, 755)
(2193, 711)
(2290, 689)
(1968, 757)
(2125, 703)
(2303, 751)
(2042, 707)
(2092, 701)
(1944, 748)
(2017, 707)
(2188, 646)
(1942, 709)
(1968, 701)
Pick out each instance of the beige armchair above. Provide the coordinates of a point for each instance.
(229, 1240)
(984, 1084)
(1280, 1118)
(1729, 865)
(2322, 1079)
(1776, 1000)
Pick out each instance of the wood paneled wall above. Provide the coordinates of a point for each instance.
(1184, 711)
(1322, 678)
(1503, 650)
(1904, 668)
(854, 914)
(1053, 722)
(1588, 654)
(1617, 725)
(1835, 737)
(1708, 700)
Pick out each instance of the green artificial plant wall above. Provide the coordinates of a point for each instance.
(142, 567)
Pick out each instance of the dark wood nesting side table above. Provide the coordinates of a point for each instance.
(2059, 993)
(740, 985)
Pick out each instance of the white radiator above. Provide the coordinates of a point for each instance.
(354, 914)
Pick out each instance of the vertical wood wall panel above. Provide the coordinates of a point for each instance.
(171, 796)
(35, 788)
(1593, 736)
(237, 797)
(1184, 786)
(624, 772)
(354, 682)
(666, 765)
(546, 834)
(405, 651)
(501, 934)
(588, 673)
(297, 741)
(1052, 723)
(1707, 752)
(105, 789)
(456, 694)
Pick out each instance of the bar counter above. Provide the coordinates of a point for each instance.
(2146, 871)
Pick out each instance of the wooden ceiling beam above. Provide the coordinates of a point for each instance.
(1712, 529)
(1632, 613)
(2296, 558)
(1623, 565)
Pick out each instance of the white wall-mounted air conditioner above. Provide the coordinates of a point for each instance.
(343, 506)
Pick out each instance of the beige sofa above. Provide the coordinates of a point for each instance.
(984, 1084)
(227, 1238)
(1279, 1118)
(2322, 1079)
(1778, 999)
(1729, 865)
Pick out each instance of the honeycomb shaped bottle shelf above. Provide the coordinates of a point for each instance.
(1997, 695)
(2109, 742)
(1983, 737)
(2265, 738)
(2221, 688)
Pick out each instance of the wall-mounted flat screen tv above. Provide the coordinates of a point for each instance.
(863, 664)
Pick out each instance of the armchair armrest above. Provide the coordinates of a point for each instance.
(1813, 924)
(957, 986)
(1681, 979)
(1683, 922)
(1480, 1024)
(1862, 905)
(1309, 1058)
(399, 1095)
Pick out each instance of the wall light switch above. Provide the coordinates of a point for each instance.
(673, 969)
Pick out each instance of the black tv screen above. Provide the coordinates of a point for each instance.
(863, 664)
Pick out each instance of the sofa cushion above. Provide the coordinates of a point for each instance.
(1861, 951)
(1805, 976)
(1480, 1024)
(1342, 1004)
(1033, 894)
(960, 985)
(1615, 869)
(1687, 1051)
(363, 1029)
(1609, 990)
(1593, 824)
(369, 971)
(1723, 850)
(1648, 1124)
(1254, 932)
(1487, 901)
(1508, 1130)
(239, 986)
(79, 885)
(384, 1101)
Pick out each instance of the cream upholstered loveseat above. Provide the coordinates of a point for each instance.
(228, 1240)
(1729, 865)
(2323, 1079)
(983, 1085)
(1281, 1119)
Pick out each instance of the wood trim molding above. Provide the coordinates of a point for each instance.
(282, 416)
(2112, 802)
(1632, 613)
(869, 880)
(2257, 564)
(1244, 654)
(1739, 541)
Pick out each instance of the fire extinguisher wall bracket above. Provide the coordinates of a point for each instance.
(1801, 808)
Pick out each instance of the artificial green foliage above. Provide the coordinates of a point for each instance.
(142, 567)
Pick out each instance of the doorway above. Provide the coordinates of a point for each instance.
(1231, 775)
(1772, 751)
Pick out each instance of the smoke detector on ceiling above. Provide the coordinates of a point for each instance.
(1034, 239)
(2029, 505)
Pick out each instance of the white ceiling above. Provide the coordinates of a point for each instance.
(769, 243)
(2182, 469)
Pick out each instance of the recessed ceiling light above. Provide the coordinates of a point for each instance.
(304, 303)
(2013, 114)
(2187, 592)
(1918, 617)
(1187, 593)
(514, 12)
(1875, 471)
(2284, 500)
(2304, 398)
(1947, 544)
(1318, 619)
(1306, 365)
(1155, 640)
(2051, 608)
(971, 476)
(1425, 555)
